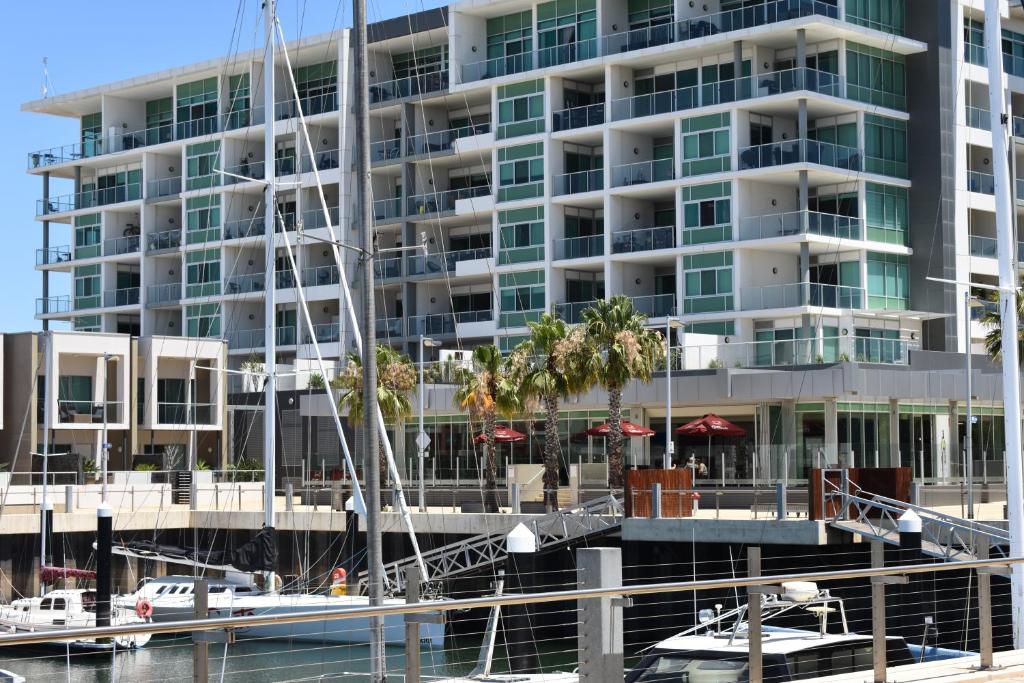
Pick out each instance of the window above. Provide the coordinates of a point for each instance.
(719, 328)
(238, 102)
(876, 76)
(202, 268)
(887, 213)
(88, 286)
(520, 109)
(202, 163)
(885, 146)
(202, 320)
(974, 42)
(887, 281)
(521, 297)
(318, 87)
(646, 14)
(521, 172)
(87, 236)
(707, 215)
(202, 219)
(172, 400)
(92, 135)
(566, 31)
(509, 44)
(1013, 52)
(86, 323)
(159, 121)
(707, 282)
(521, 232)
(421, 62)
(197, 108)
(883, 15)
(706, 144)
(112, 188)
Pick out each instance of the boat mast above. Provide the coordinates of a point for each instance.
(46, 509)
(1008, 310)
(269, 236)
(371, 472)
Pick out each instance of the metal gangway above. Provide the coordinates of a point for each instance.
(848, 507)
(589, 520)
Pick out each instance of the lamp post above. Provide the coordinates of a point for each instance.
(671, 322)
(422, 440)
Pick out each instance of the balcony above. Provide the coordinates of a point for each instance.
(499, 66)
(245, 284)
(800, 223)
(572, 311)
(121, 245)
(580, 181)
(245, 227)
(1018, 126)
(53, 255)
(985, 247)
(315, 219)
(410, 86)
(981, 119)
(444, 263)
(387, 268)
(432, 324)
(243, 172)
(326, 160)
(385, 150)
(440, 202)
(88, 412)
(655, 305)
(163, 295)
(247, 339)
(324, 333)
(519, 318)
(579, 247)
(719, 22)
(311, 106)
(801, 294)
(163, 187)
(566, 54)
(578, 117)
(790, 352)
(126, 296)
(801, 151)
(390, 327)
(284, 279)
(642, 172)
(169, 413)
(983, 183)
(643, 239)
(439, 142)
(387, 209)
(320, 276)
(167, 239)
(53, 304)
(89, 199)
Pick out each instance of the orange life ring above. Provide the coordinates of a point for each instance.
(338, 575)
(144, 609)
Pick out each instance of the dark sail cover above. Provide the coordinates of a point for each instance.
(259, 554)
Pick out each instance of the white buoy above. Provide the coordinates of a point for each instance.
(909, 523)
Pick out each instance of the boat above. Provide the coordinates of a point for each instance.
(58, 610)
(707, 653)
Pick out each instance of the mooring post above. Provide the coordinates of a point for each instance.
(412, 626)
(878, 583)
(655, 500)
(984, 605)
(200, 645)
(781, 509)
(289, 495)
(521, 574)
(69, 498)
(755, 663)
(599, 634)
(515, 498)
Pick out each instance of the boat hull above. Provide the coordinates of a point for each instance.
(84, 645)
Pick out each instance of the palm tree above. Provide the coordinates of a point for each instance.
(396, 380)
(487, 391)
(552, 374)
(625, 349)
(994, 337)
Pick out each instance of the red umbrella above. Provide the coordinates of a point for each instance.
(711, 425)
(502, 434)
(628, 429)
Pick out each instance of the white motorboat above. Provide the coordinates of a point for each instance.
(58, 610)
(171, 599)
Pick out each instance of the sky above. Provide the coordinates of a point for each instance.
(88, 44)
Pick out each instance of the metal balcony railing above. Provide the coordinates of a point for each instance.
(48, 257)
(244, 227)
(88, 199)
(983, 183)
(167, 239)
(570, 311)
(579, 247)
(386, 150)
(325, 160)
(387, 209)
(801, 151)
(126, 296)
(655, 305)
(440, 202)
(245, 170)
(641, 172)
(324, 333)
(441, 141)
(801, 222)
(390, 327)
(388, 268)
(320, 276)
(163, 187)
(499, 66)
(643, 239)
(444, 263)
(801, 294)
(245, 284)
(53, 304)
(578, 117)
(121, 245)
(579, 181)
(410, 86)
(165, 294)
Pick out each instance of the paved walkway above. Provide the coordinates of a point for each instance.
(1009, 666)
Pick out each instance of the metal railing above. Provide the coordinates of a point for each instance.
(121, 245)
(247, 339)
(385, 150)
(801, 222)
(126, 296)
(324, 333)
(169, 293)
(245, 284)
(986, 247)
(983, 183)
(53, 304)
(166, 239)
(48, 257)
(319, 276)
(390, 327)
(578, 117)
(387, 209)
(571, 311)
(311, 106)
(642, 172)
(499, 66)
(88, 199)
(388, 268)
(164, 187)
(438, 142)
(801, 294)
(566, 54)
(444, 200)
(655, 305)
(789, 352)
(432, 323)
(87, 412)
(253, 170)
(801, 151)
(408, 87)
(978, 117)
(244, 227)
(444, 263)
(325, 161)
(579, 181)
(643, 239)
(579, 247)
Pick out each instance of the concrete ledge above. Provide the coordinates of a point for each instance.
(756, 531)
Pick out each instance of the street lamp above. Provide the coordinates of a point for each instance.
(422, 440)
(671, 322)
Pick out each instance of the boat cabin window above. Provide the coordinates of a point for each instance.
(683, 669)
(53, 604)
(842, 658)
(89, 601)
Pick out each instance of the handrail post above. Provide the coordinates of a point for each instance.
(984, 606)
(655, 500)
(200, 646)
(755, 664)
(878, 615)
(412, 627)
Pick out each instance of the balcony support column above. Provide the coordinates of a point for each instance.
(801, 48)
(831, 434)
(46, 243)
(737, 65)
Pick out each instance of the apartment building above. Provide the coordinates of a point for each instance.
(777, 178)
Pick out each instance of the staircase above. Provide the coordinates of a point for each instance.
(181, 487)
(586, 521)
(849, 508)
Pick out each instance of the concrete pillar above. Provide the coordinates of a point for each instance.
(801, 48)
(801, 120)
(894, 434)
(737, 68)
(599, 634)
(832, 432)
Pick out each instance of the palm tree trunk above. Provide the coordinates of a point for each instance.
(616, 476)
(551, 448)
(490, 465)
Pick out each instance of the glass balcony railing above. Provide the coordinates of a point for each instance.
(121, 245)
(284, 279)
(1018, 126)
(314, 219)
(441, 141)
(983, 183)
(166, 239)
(323, 333)
(320, 276)
(245, 284)
(499, 66)
(387, 209)
(206, 125)
(432, 324)
(169, 293)
(88, 199)
(126, 296)
(440, 202)
(48, 257)
(985, 247)
(875, 350)
(978, 118)
(245, 227)
(799, 223)
(326, 159)
(247, 339)
(642, 172)
(385, 150)
(655, 305)
(578, 117)
(169, 413)
(285, 336)
(444, 263)
(163, 187)
(801, 294)
(53, 304)
(519, 318)
(643, 239)
(638, 39)
(579, 181)
(790, 352)
(571, 311)
(410, 86)
(390, 327)
(801, 151)
(388, 268)
(312, 105)
(244, 171)
(566, 54)
(579, 247)
(88, 412)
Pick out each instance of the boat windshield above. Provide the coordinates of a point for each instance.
(672, 668)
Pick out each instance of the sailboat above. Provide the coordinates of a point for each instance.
(171, 597)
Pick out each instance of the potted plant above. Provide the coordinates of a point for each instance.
(141, 474)
(316, 381)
